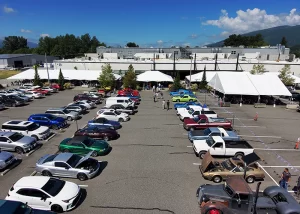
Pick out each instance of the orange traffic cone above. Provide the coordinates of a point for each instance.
(297, 144)
(256, 117)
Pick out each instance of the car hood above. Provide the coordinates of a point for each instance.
(69, 191)
(207, 162)
(100, 144)
(250, 158)
(42, 129)
(84, 158)
(26, 140)
(5, 155)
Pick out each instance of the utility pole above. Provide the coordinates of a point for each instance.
(191, 72)
(174, 65)
(237, 62)
(216, 62)
(195, 64)
(154, 62)
(47, 68)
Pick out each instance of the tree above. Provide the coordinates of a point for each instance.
(177, 85)
(285, 75)
(203, 83)
(61, 79)
(284, 41)
(132, 45)
(130, 78)
(13, 43)
(258, 69)
(107, 78)
(120, 72)
(238, 40)
(36, 80)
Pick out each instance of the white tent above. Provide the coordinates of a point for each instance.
(154, 76)
(297, 79)
(198, 77)
(53, 74)
(244, 83)
(237, 83)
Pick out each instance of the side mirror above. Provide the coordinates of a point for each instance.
(43, 198)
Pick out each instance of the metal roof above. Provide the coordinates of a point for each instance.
(8, 56)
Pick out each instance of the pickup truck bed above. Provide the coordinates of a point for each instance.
(238, 144)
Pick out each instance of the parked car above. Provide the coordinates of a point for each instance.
(181, 92)
(6, 159)
(45, 193)
(33, 94)
(79, 97)
(68, 165)
(220, 170)
(27, 128)
(64, 113)
(25, 98)
(184, 98)
(186, 104)
(124, 101)
(49, 120)
(99, 93)
(41, 91)
(217, 146)
(111, 114)
(17, 207)
(86, 103)
(121, 109)
(104, 121)
(212, 131)
(17, 142)
(84, 145)
(50, 89)
(191, 113)
(14, 100)
(180, 111)
(203, 122)
(98, 132)
(130, 96)
(2, 106)
(80, 109)
(3, 92)
(56, 86)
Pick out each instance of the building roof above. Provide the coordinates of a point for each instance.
(8, 56)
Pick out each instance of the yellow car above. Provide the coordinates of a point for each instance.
(184, 98)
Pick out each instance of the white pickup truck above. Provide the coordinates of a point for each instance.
(186, 109)
(189, 114)
(217, 146)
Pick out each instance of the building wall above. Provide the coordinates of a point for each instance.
(30, 60)
(3, 63)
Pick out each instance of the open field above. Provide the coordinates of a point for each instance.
(5, 73)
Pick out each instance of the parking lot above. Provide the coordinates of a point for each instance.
(152, 167)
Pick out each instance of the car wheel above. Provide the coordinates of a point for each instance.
(217, 179)
(13, 105)
(201, 155)
(121, 120)
(250, 179)
(69, 118)
(177, 100)
(106, 138)
(33, 97)
(66, 151)
(192, 129)
(19, 150)
(82, 177)
(239, 155)
(54, 127)
(94, 154)
(35, 137)
(46, 173)
(56, 208)
(191, 100)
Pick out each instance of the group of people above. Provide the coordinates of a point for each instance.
(19, 82)
(286, 178)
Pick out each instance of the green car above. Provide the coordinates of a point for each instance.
(82, 145)
(184, 98)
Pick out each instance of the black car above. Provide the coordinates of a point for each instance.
(11, 102)
(79, 97)
(19, 208)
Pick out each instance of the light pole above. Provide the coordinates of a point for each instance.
(47, 68)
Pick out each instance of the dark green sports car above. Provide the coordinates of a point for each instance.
(82, 145)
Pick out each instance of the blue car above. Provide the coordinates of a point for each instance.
(181, 92)
(184, 105)
(130, 96)
(48, 120)
(103, 121)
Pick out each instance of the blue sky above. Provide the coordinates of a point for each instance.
(148, 23)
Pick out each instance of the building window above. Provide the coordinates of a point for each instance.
(233, 52)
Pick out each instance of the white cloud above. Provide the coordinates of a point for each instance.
(194, 36)
(225, 34)
(8, 9)
(25, 31)
(251, 20)
(44, 35)
(160, 42)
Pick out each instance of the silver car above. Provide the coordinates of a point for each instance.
(64, 113)
(14, 141)
(6, 159)
(68, 165)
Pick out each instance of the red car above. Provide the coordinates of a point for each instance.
(41, 91)
(55, 85)
(203, 122)
(128, 91)
(98, 132)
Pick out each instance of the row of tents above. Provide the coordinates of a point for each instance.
(228, 83)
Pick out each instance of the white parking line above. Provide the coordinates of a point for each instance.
(32, 151)
(251, 126)
(197, 164)
(33, 173)
(276, 182)
(277, 137)
(190, 146)
(83, 186)
(52, 136)
(269, 149)
(5, 171)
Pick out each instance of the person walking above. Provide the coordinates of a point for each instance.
(168, 105)
(163, 104)
(154, 95)
(285, 178)
(162, 95)
(298, 188)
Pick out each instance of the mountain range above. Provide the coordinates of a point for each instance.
(273, 35)
(29, 44)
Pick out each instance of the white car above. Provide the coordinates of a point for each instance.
(111, 114)
(45, 193)
(7, 93)
(209, 113)
(181, 110)
(86, 103)
(33, 94)
(52, 90)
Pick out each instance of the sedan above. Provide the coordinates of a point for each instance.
(80, 109)
(6, 159)
(68, 165)
(33, 94)
(45, 193)
(104, 121)
(98, 132)
(184, 98)
(84, 145)
(85, 103)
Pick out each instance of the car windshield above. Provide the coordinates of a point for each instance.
(130, 100)
(73, 160)
(51, 117)
(33, 126)
(66, 111)
(88, 142)
(227, 164)
(210, 142)
(16, 136)
(207, 131)
(191, 111)
(19, 208)
(53, 186)
(117, 113)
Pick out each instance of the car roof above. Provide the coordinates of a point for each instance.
(17, 123)
(217, 138)
(32, 181)
(6, 134)
(41, 115)
(51, 109)
(63, 157)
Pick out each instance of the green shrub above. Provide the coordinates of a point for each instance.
(46, 84)
(139, 88)
(194, 87)
(67, 85)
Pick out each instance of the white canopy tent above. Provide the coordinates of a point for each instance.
(244, 83)
(53, 74)
(154, 76)
(198, 77)
(297, 79)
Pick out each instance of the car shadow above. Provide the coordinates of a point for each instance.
(13, 165)
(82, 198)
(103, 165)
(84, 113)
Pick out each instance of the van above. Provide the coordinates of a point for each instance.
(27, 128)
(124, 101)
(64, 113)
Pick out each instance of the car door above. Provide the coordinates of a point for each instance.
(78, 148)
(44, 121)
(61, 169)
(184, 98)
(217, 149)
(93, 133)
(6, 144)
(109, 116)
(24, 195)
(40, 200)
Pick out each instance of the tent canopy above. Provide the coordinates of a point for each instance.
(53, 74)
(154, 76)
(198, 77)
(244, 83)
